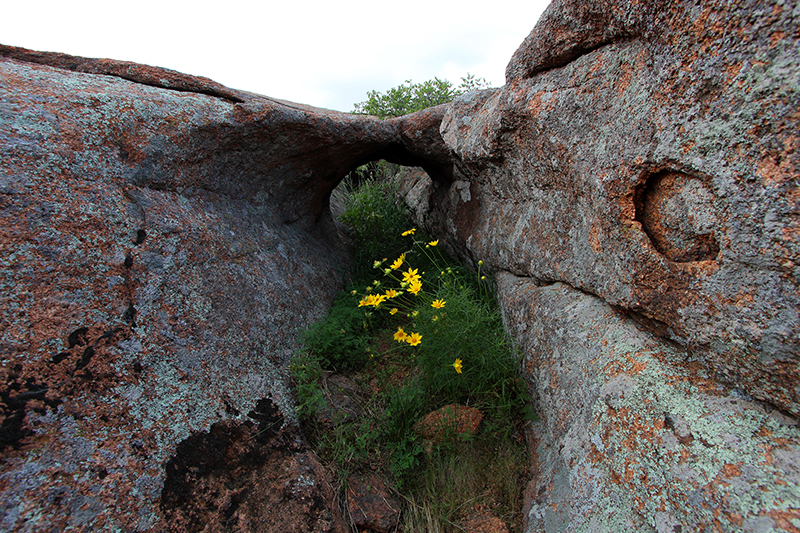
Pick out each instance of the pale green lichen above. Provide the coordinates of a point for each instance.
(627, 464)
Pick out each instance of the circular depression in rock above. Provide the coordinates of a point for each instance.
(677, 212)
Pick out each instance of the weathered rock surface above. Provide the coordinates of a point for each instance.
(485, 523)
(243, 145)
(647, 153)
(635, 187)
(371, 505)
(247, 477)
(636, 434)
(163, 241)
(449, 424)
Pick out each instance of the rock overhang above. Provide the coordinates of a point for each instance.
(167, 241)
(283, 153)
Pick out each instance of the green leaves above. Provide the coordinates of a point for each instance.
(376, 219)
(409, 97)
(339, 340)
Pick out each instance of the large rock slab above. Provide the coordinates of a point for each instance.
(634, 186)
(240, 144)
(636, 434)
(647, 153)
(164, 240)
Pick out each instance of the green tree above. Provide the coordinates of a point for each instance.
(406, 98)
(409, 97)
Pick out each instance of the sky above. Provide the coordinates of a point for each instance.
(322, 53)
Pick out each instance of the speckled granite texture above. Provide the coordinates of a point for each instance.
(634, 186)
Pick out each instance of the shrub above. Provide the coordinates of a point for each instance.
(409, 97)
(452, 322)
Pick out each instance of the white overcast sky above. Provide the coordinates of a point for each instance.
(322, 53)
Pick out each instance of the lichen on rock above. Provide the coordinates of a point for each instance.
(632, 186)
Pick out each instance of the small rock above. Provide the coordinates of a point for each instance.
(370, 504)
(485, 523)
(449, 422)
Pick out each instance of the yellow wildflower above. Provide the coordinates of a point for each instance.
(414, 339)
(414, 287)
(400, 335)
(391, 293)
(398, 262)
(409, 232)
(393, 311)
(438, 304)
(410, 274)
(372, 299)
(457, 365)
(434, 243)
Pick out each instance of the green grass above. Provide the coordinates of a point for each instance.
(374, 215)
(439, 340)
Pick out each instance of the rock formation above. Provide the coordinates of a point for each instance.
(633, 187)
(651, 162)
(164, 240)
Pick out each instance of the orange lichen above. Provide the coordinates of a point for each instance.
(535, 106)
(624, 80)
(786, 519)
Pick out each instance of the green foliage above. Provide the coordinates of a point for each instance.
(372, 171)
(486, 472)
(409, 316)
(341, 339)
(404, 406)
(409, 97)
(376, 218)
(470, 329)
(306, 372)
(405, 455)
(470, 83)
(454, 325)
